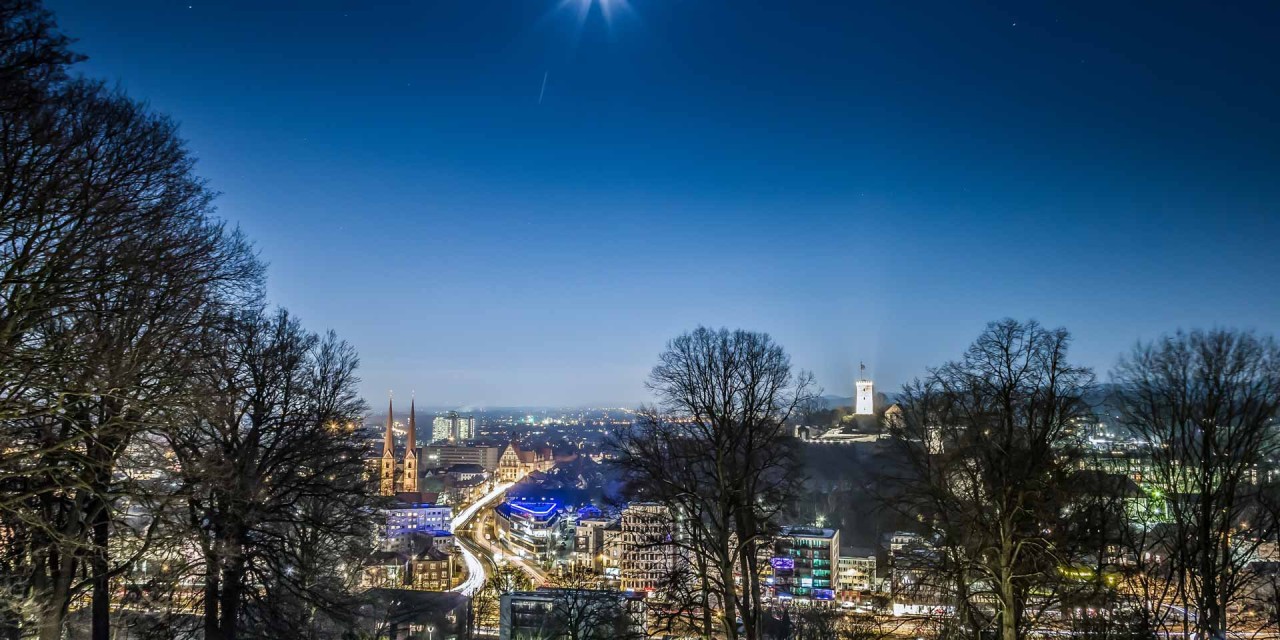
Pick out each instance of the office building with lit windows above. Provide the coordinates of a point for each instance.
(647, 553)
(452, 427)
(804, 563)
(530, 529)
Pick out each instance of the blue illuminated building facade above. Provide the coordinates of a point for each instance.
(531, 529)
(804, 563)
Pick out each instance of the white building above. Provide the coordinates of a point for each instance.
(857, 569)
(900, 540)
(865, 404)
(410, 517)
(646, 556)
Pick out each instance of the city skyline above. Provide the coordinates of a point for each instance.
(953, 320)
(503, 204)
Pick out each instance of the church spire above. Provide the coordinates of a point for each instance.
(410, 482)
(389, 445)
(387, 484)
(413, 435)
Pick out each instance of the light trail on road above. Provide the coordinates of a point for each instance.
(475, 569)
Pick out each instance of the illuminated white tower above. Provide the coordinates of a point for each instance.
(864, 398)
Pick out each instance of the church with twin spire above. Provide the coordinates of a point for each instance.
(406, 481)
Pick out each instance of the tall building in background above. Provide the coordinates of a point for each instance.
(864, 398)
(452, 427)
(648, 553)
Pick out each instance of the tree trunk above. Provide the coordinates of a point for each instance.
(730, 600)
(1009, 604)
(98, 568)
(1008, 607)
(53, 617)
(232, 584)
(750, 594)
(211, 588)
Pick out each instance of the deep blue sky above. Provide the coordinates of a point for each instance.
(865, 180)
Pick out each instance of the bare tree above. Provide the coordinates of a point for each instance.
(1207, 403)
(109, 269)
(484, 611)
(34, 55)
(580, 611)
(986, 444)
(279, 505)
(716, 451)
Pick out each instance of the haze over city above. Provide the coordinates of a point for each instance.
(519, 203)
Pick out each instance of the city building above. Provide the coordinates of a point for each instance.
(515, 463)
(442, 541)
(900, 540)
(421, 615)
(910, 590)
(432, 570)
(804, 563)
(417, 561)
(571, 613)
(468, 489)
(446, 455)
(1136, 463)
(857, 570)
(467, 471)
(611, 551)
(387, 569)
(452, 427)
(415, 514)
(646, 556)
(588, 542)
(530, 529)
(864, 403)
(893, 419)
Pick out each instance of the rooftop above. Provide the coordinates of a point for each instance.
(857, 552)
(809, 532)
(417, 499)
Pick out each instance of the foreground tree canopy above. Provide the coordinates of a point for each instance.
(716, 454)
(132, 328)
(1023, 525)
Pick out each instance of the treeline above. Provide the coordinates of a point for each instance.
(174, 456)
(1024, 526)
(1026, 529)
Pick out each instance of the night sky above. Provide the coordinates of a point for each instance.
(864, 180)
